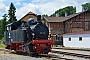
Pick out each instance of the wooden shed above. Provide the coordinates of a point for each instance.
(78, 22)
(29, 15)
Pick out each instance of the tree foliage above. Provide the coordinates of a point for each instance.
(4, 21)
(45, 15)
(69, 10)
(11, 13)
(1, 29)
(86, 7)
(11, 16)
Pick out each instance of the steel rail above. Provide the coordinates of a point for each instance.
(71, 54)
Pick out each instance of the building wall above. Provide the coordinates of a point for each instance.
(76, 42)
(56, 27)
(79, 23)
(29, 16)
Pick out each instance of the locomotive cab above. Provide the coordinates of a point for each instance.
(7, 34)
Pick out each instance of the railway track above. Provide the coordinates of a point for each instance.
(42, 56)
(85, 56)
(55, 57)
(59, 52)
(71, 48)
(5, 50)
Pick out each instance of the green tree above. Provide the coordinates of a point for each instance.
(4, 21)
(1, 29)
(86, 7)
(11, 13)
(69, 10)
(45, 15)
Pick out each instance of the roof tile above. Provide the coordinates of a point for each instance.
(61, 19)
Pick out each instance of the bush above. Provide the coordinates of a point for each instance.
(1, 43)
(2, 40)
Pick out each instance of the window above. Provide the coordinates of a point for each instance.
(7, 28)
(80, 38)
(69, 39)
(57, 37)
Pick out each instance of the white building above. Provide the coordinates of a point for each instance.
(79, 40)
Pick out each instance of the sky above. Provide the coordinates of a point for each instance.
(39, 7)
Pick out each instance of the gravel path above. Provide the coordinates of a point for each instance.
(11, 56)
(19, 58)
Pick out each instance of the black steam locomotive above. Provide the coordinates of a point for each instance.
(28, 37)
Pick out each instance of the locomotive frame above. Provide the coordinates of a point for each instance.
(28, 37)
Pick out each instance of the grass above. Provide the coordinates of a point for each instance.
(2, 46)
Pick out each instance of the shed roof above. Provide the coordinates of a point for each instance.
(75, 33)
(61, 19)
(55, 19)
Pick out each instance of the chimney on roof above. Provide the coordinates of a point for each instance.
(39, 18)
(66, 14)
(57, 14)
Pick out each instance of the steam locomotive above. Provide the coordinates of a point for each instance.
(28, 37)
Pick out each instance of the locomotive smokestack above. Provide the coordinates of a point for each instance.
(39, 18)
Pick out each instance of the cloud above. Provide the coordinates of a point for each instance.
(46, 7)
(18, 3)
(51, 7)
(39, 6)
(27, 7)
(3, 8)
(40, 2)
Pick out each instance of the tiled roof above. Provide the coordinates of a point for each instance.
(30, 13)
(61, 19)
(55, 19)
(75, 33)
